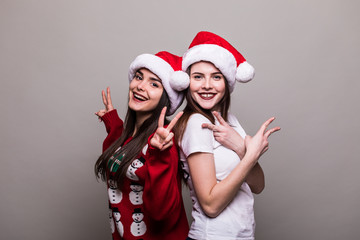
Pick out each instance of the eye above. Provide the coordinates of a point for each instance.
(217, 77)
(197, 77)
(154, 84)
(138, 76)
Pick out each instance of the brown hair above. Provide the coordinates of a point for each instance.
(193, 107)
(132, 149)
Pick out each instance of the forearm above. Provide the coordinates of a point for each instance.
(256, 179)
(215, 196)
(224, 192)
(162, 192)
(114, 127)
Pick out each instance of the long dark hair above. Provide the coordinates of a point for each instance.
(193, 107)
(132, 149)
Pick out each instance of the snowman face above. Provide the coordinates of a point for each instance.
(117, 216)
(130, 173)
(138, 217)
(112, 184)
(136, 187)
(137, 163)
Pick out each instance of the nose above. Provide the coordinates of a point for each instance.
(141, 86)
(207, 83)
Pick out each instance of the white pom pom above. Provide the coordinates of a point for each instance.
(179, 81)
(245, 72)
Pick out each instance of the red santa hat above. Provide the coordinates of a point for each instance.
(167, 67)
(210, 47)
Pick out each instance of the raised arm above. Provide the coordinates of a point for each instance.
(230, 138)
(215, 196)
(110, 117)
(162, 184)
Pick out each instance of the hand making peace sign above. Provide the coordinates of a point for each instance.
(162, 138)
(258, 144)
(226, 135)
(107, 103)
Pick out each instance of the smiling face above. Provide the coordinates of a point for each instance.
(145, 91)
(207, 85)
(138, 217)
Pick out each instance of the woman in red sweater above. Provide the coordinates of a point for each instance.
(140, 161)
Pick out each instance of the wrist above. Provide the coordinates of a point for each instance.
(252, 157)
(240, 151)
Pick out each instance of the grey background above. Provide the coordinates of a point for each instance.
(56, 57)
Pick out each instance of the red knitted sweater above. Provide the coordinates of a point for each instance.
(149, 205)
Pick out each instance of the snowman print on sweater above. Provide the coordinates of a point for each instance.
(112, 224)
(135, 165)
(136, 193)
(119, 226)
(138, 227)
(115, 195)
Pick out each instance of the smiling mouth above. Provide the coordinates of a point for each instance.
(207, 96)
(139, 97)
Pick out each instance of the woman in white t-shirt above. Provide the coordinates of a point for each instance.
(219, 159)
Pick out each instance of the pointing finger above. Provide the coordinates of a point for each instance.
(271, 131)
(208, 125)
(108, 96)
(161, 118)
(104, 98)
(266, 124)
(219, 118)
(174, 121)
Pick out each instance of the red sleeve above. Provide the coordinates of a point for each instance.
(162, 189)
(114, 127)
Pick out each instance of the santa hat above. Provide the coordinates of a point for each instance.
(210, 47)
(167, 67)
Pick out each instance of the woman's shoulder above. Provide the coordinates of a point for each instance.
(198, 117)
(194, 125)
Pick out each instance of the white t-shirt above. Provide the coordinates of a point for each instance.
(236, 221)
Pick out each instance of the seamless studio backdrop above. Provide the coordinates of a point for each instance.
(56, 57)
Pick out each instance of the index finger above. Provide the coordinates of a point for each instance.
(104, 98)
(208, 126)
(174, 121)
(108, 96)
(271, 131)
(161, 118)
(266, 124)
(219, 118)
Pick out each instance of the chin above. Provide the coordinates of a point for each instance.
(207, 106)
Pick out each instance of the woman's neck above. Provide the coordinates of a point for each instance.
(140, 119)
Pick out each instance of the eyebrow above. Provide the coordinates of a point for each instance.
(152, 78)
(156, 79)
(203, 73)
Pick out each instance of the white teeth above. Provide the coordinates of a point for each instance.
(207, 95)
(139, 97)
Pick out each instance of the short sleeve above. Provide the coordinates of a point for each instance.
(235, 123)
(196, 138)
